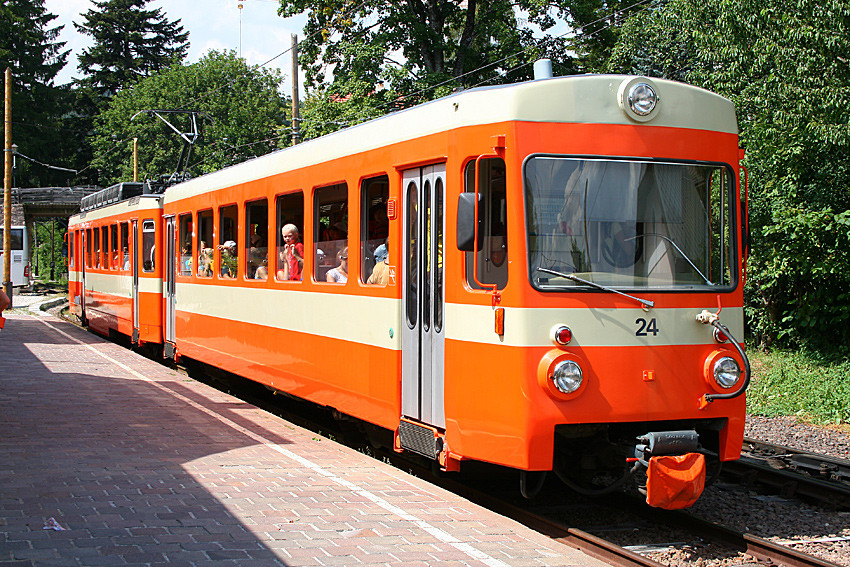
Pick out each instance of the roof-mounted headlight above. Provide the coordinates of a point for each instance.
(642, 99)
(638, 97)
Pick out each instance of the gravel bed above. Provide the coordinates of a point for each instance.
(833, 441)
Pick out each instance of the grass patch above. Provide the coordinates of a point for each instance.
(799, 384)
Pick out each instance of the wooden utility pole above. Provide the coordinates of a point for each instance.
(296, 115)
(7, 188)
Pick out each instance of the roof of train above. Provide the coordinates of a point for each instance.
(573, 99)
(137, 203)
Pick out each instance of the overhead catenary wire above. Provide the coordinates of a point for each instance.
(646, 5)
(211, 92)
(48, 166)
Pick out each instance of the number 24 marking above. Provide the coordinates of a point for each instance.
(645, 328)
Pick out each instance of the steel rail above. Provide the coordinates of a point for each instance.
(763, 550)
(793, 472)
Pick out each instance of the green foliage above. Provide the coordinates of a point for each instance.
(130, 43)
(598, 25)
(29, 48)
(49, 241)
(364, 59)
(802, 384)
(785, 67)
(244, 115)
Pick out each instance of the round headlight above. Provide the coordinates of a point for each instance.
(727, 372)
(567, 376)
(642, 99)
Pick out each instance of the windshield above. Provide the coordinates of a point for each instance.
(628, 224)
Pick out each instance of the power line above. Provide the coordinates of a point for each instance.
(606, 19)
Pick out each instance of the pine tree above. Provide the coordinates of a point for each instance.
(29, 48)
(130, 43)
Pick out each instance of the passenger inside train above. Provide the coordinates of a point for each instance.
(292, 256)
(340, 273)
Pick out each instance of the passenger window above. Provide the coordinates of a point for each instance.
(113, 248)
(330, 222)
(492, 265)
(72, 240)
(228, 247)
(125, 246)
(289, 230)
(257, 240)
(205, 244)
(184, 243)
(104, 247)
(97, 250)
(88, 248)
(374, 229)
(148, 245)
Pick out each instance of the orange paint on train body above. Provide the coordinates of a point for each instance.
(487, 397)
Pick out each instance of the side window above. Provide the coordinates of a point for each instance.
(374, 229)
(97, 250)
(148, 245)
(228, 220)
(125, 246)
(114, 263)
(492, 265)
(72, 242)
(330, 222)
(257, 240)
(104, 247)
(288, 232)
(205, 244)
(184, 244)
(88, 248)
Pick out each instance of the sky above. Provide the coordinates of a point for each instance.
(212, 24)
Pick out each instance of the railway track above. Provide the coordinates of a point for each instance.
(765, 459)
(793, 473)
(749, 549)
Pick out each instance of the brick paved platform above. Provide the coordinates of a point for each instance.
(107, 458)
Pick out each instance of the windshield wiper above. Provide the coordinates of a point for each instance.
(679, 250)
(644, 302)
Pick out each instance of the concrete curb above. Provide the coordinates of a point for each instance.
(41, 307)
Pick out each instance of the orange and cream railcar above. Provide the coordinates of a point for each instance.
(114, 271)
(557, 255)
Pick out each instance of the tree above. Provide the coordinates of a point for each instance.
(597, 26)
(365, 58)
(130, 43)
(243, 115)
(785, 66)
(29, 48)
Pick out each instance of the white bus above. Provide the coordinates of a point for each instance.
(20, 255)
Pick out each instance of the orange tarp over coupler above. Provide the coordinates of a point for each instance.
(675, 481)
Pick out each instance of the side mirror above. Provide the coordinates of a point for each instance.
(466, 222)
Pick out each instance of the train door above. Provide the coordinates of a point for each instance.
(133, 244)
(423, 299)
(170, 273)
(84, 259)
